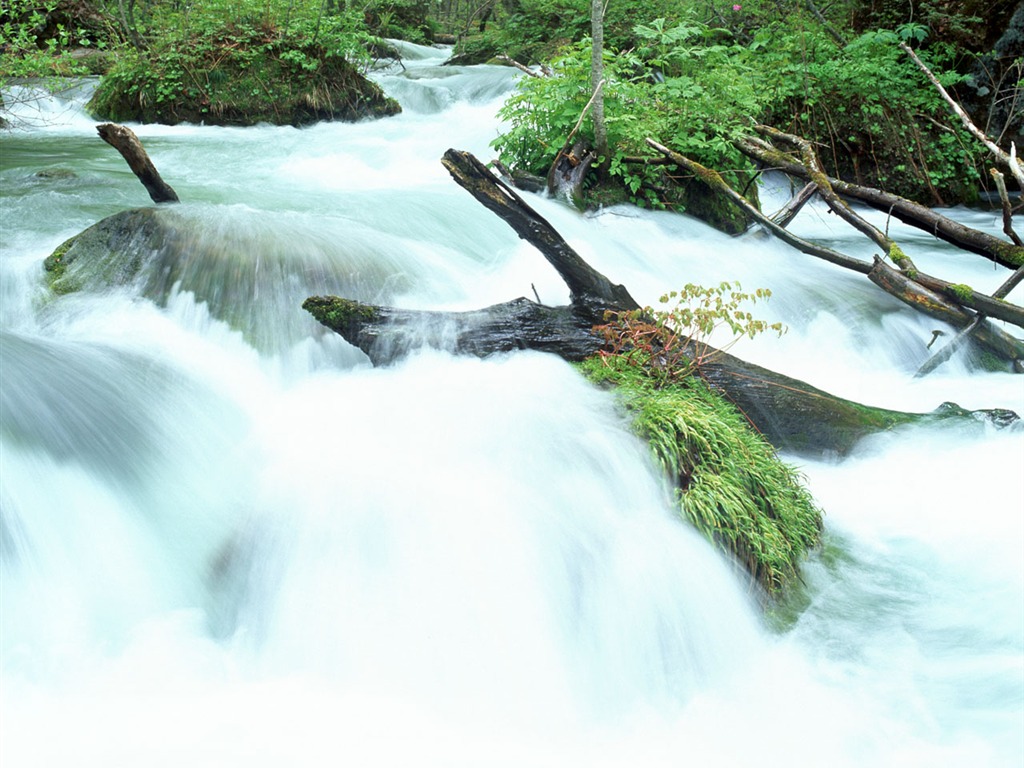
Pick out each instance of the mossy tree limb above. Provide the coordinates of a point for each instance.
(934, 296)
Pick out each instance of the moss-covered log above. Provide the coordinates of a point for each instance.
(732, 487)
(936, 305)
(792, 415)
(933, 296)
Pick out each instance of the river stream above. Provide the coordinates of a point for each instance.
(226, 539)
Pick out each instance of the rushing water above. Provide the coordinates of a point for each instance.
(227, 540)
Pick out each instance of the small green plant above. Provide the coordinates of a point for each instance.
(962, 292)
(674, 343)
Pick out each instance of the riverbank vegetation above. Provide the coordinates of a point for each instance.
(694, 75)
(700, 80)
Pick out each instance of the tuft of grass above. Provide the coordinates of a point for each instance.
(731, 484)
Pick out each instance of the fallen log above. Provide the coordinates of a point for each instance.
(934, 305)
(792, 415)
(928, 294)
(386, 334)
(914, 214)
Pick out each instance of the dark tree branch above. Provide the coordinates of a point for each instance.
(586, 284)
(127, 143)
(907, 211)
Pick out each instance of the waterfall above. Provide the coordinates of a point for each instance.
(226, 539)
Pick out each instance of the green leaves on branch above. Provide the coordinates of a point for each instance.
(672, 343)
(696, 87)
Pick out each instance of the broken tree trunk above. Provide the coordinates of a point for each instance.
(127, 143)
(791, 414)
(386, 334)
(586, 284)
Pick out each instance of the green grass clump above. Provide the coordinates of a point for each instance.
(730, 483)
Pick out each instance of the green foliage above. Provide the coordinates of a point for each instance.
(731, 485)
(533, 31)
(678, 85)
(673, 343)
(29, 47)
(241, 62)
(698, 80)
(873, 114)
(401, 19)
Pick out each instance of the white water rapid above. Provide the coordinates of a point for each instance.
(226, 540)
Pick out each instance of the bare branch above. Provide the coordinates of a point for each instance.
(1004, 198)
(521, 67)
(127, 143)
(1009, 160)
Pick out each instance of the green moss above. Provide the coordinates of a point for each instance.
(337, 313)
(106, 254)
(702, 198)
(54, 263)
(239, 75)
(897, 256)
(731, 484)
(962, 292)
(1013, 254)
(56, 266)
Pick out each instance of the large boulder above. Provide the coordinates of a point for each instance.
(234, 80)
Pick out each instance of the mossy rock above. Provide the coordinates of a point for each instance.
(697, 199)
(239, 77)
(691, 196)
(93, 259)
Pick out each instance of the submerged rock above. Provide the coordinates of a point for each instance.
(95, 258)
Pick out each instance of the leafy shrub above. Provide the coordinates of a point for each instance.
(673, 343)
(678, 86)
(875, 117)
(260, 64)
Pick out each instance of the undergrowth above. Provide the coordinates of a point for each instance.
(730, 483)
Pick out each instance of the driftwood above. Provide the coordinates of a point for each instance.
(914, 214)
(792, 415)
(928, 294)
(127, 143)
